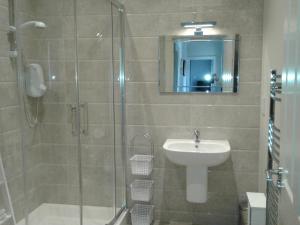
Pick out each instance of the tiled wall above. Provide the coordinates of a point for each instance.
(10, 123)
(55, 52)
(234, 117)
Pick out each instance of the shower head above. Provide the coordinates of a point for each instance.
(39, 24)
(35, 24)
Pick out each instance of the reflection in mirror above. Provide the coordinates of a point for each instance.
(198, 64)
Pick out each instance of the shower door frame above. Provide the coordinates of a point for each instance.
(122, 85)
(122, 80)
(119, 6)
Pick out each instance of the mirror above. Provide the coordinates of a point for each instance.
(206, 64)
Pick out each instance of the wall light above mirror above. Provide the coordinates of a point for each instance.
(198, 26)
(198, 64)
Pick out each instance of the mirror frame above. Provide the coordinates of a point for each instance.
(236, 64)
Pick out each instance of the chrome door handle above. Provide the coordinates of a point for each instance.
(84, 118)
(73, 109)
(84, 114)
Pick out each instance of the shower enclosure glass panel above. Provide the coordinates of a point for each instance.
(71, 55)
(101, 84)
(50, 146)
(98, 48)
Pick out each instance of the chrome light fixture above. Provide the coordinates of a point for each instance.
(198, 26)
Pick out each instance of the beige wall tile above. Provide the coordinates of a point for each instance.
(90, 25)
(10, 143)
(10, 118)
(100, 113)
(55, 113)
(229, 4)
(7, 72)
(56, 134)
(142, 71)
(92, 7)
(95, 70)
(96, 92)
(226, 204)
(8, 94)
(99, 134)
(248, 94)
(148, 93)
(159, 6)
(94, 49)
(3, 15)
(47, 8)
(97, 156)
(225, 116)
(52, 148)
(250, 70)
(4, 47)
(251, 47)
(142, 49)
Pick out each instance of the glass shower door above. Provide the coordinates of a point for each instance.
(99, 87)
(72, 161)
(46, 44)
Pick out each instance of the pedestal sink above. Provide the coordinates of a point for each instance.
(197, 157)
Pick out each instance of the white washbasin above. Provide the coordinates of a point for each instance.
(197, 157)
(206, 153)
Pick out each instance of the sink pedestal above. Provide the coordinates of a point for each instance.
(196, 184)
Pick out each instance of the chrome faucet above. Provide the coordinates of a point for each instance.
(197, 135)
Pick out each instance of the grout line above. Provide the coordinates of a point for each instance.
(192, 104)
(191, 127)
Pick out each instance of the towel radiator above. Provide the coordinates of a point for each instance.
(274, 172)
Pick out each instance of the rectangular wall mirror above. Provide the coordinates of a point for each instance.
(206, 64)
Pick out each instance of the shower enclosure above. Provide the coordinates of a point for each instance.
(69, 58)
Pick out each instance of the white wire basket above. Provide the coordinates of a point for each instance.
(142, 214)
(141, 164)
(142, 190)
